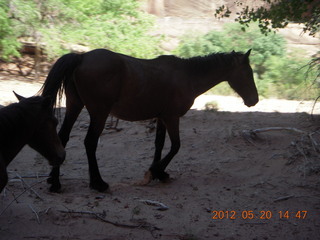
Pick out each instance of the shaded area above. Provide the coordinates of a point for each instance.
(215, 170)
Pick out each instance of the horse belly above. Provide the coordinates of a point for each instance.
(137, 109)
(144, 95)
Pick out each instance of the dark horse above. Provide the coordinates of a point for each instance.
(137, 89)
(31, 122)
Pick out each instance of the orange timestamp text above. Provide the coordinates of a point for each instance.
(263, 214)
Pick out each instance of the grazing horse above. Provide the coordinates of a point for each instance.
(138, 89)
(31, 122)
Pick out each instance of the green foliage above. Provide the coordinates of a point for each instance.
(287, 77)
(212, 106)
(8, 38)
(121, 28)
(277, 14)
(233, 38)
(56, 24)
(276, 73)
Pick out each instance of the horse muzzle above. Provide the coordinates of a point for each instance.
(58, 159)
(252, 101)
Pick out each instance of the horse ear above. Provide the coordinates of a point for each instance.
(19, 97)
(245, 58)
(248, 53)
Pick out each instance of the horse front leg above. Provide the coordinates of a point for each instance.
(74, 106)
(54, 176)
(54, 180)
(157, 168)
(3, 173)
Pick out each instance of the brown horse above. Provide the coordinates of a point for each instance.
(137, 89)
(31, 122)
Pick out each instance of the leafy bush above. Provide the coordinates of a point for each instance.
(55, 24)
(287, 77)
(8, 39)
(212, 106)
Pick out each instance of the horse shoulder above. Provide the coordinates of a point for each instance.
(179, 94)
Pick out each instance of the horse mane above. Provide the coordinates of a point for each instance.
(212, 61)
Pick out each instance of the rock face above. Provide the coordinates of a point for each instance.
(193, 8)
(183, 8)
(178, 17)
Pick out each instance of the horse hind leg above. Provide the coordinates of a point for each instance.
(159, 143)
(74, 106)
(158, 167)
(97, 122)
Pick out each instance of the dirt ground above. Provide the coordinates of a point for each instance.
(225, 185)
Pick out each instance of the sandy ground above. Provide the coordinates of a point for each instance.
(224, 185)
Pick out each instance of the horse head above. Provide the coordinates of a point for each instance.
(242, 80)
(44, 138)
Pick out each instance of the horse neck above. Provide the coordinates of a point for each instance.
(204, 81)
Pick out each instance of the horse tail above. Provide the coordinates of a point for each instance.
(59, 76)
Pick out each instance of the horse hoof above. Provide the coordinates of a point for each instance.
(146, 180)
(55, 188)
(100, 186)
(161, 175)
(164, 177)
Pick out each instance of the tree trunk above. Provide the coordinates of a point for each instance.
(156, 7)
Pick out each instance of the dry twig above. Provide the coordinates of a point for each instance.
(37, 176)
(268, 129)
(314, 105)
(251, 135)
(15, 199)
(160, 206)
(35, 212)
(29, 187)
(283, 198)
(145, 226)
(113, 124)
(305, 159)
